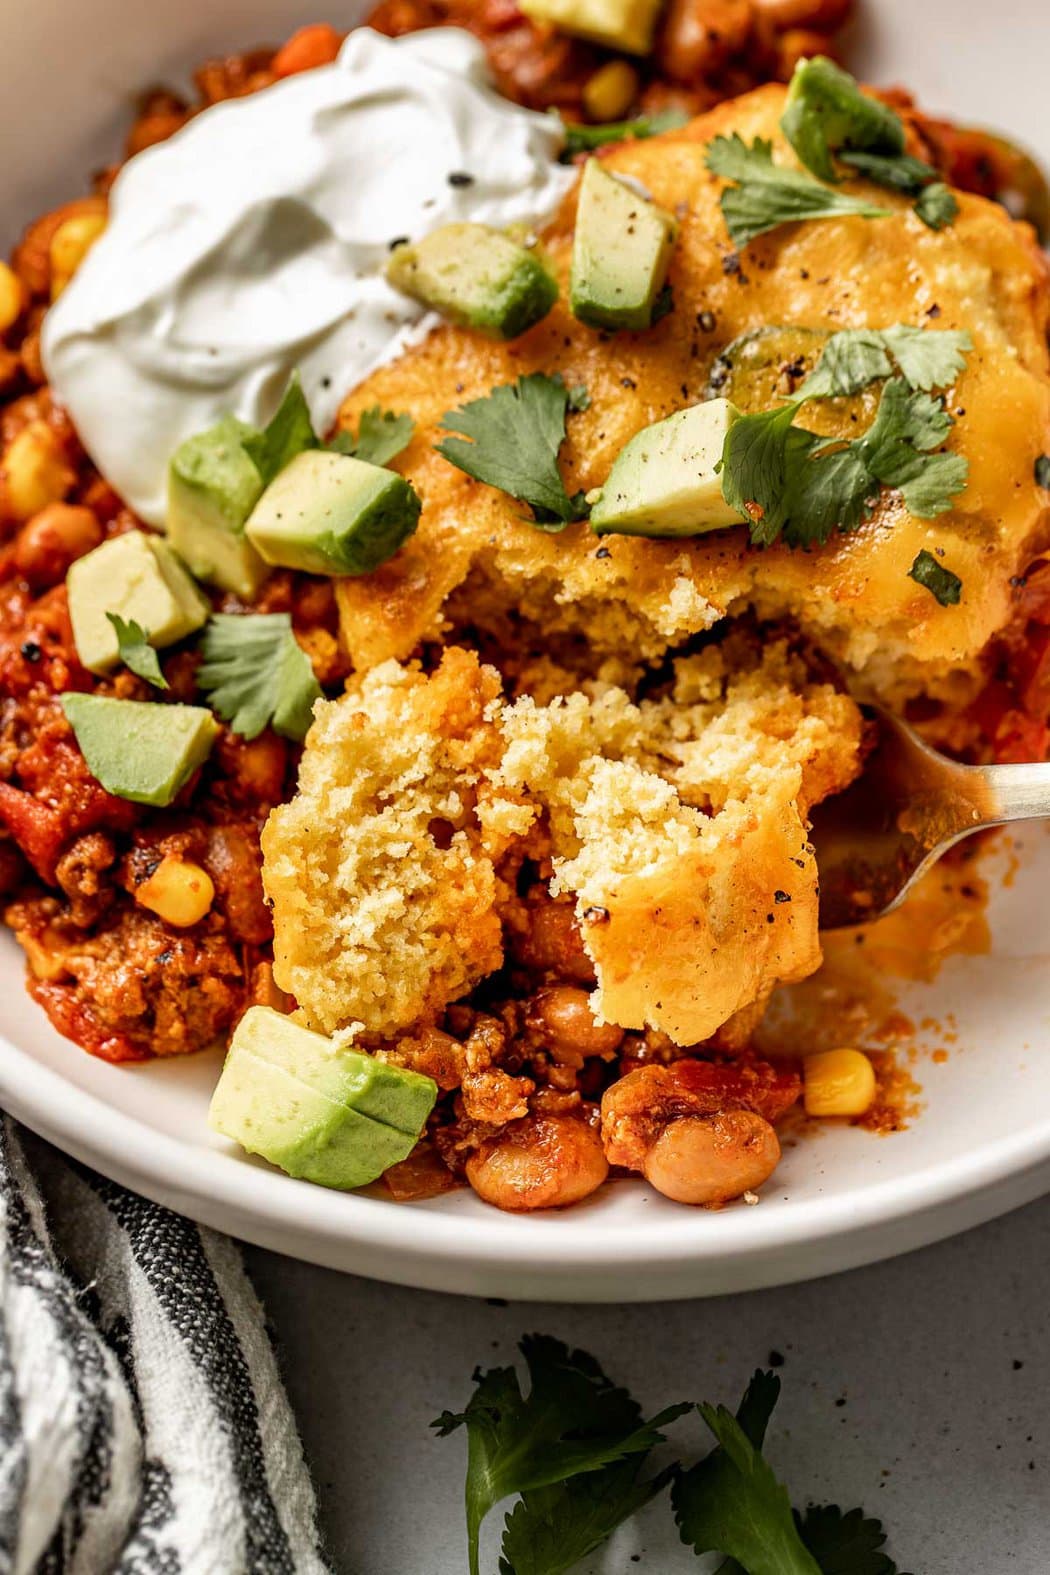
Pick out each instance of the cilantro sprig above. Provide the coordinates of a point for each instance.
(790, 483)
(574, 1425)
(255, 674)
(135, 651)
(515, 434)
(926, 358)
(574, 1450)
(584, 139)
(381, 435)
(830, 122)
(289, 433)
(766, 195)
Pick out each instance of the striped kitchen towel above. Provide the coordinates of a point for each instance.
(143, 1426)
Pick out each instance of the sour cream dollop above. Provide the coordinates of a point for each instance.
(253, 242)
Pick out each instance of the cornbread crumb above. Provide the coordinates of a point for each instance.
(682, 820)
(375, 920)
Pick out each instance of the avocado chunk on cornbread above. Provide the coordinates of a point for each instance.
(620, 254)
(138, 749)
(141, 579)
(330, 514)
(212, 488)
(620, 24)
(477, 277)
(321, 1112)
(666, 482)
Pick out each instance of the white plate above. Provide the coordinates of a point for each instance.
(982, 1144)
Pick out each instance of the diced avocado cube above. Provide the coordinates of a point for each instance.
(826, 110)
(476, 277)
(621, 24)
(620, 253)
(138, 749)
(140, 578)
(665, 482)
(212, 488)
(327, 1114)
(331, 514)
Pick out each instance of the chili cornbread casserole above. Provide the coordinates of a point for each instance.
(581, 596)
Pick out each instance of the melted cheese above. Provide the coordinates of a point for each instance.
(984, 273)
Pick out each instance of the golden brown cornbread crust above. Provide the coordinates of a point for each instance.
(983, 273)
(678, 826)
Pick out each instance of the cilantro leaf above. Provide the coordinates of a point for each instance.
(573, 1421)
(289, 433)
(256, 674)
(731, 1502)
(901, 172)
(135, 651)
(516, 433)
(926, 357)
(827, 112)
(381, 436)
(829, 118)
(579, 398)
(937, 206)
(582, 139)
(1042, 471)
(844, 1544)
(766, 195)
(942, 584)
(551, 1529)
(785, 480)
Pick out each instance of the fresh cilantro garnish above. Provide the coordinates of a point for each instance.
(926, 357)
(937, 206)
(829, 119)
(579, 398)
(731, 1502)
(1042, 471)
(256, 674)
(551, 1529)
(136, 652)
(844, 1544)
(289, 433)
(942, 584)
(573, 1422)
(787, 481)
(899, 172)
(516, 433)
(767, 195)
(381, 435)
(583, 139)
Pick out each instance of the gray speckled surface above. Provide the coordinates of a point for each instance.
(918, 1388)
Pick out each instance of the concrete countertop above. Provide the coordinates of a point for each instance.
(917, 1388)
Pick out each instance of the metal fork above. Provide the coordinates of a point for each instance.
(911, 805)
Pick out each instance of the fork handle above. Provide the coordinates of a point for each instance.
(1015, 793)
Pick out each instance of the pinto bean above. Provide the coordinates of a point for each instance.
(708, 1160)
(564, 1016)
(52, 540)
(699, 36)
(540, 1162)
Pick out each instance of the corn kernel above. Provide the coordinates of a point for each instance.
(178, 891)
(70, 244)
(838, 1083)
(34, 472)
(12, 297)
(611, 91)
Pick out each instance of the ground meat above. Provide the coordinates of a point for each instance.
(134, 987)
